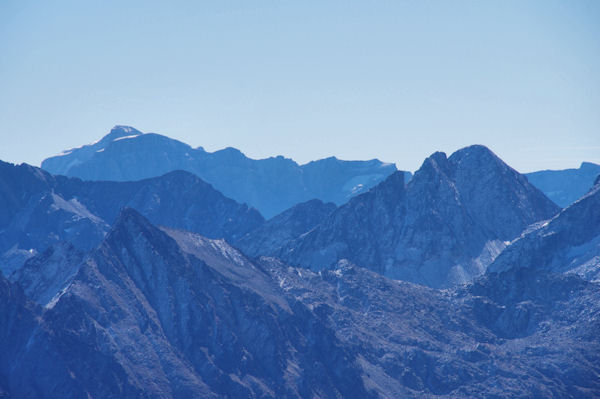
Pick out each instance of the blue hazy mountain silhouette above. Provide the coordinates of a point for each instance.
(569, 243)
(270, 185)
(565, 186)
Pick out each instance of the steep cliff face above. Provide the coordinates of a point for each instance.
(443, 227)
(271, 185)
(570, 242)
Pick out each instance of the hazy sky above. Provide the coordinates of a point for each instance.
(372, 79)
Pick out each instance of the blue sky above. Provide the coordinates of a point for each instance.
(374, 79)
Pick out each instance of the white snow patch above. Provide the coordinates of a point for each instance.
(62, 154)
(75, 207)
(56, 297)
(127, 137)
(357, 188)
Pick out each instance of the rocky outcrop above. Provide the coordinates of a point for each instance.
(442, 228)
(570, 242)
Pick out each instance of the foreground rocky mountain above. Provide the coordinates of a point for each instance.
(442, 228)
(38, 210)
(565, 186)
(157, 315)
(271, 185)
(570, 242)
(167, 313)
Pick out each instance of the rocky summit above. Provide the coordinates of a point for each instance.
(442, 228)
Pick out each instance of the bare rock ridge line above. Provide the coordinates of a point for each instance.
(39, 210)
(568, 243)
(444, 227)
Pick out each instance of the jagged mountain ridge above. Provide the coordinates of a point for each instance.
(570, 242)
(277, 231)
(271, 185)
(39, 210)
(443, 227)
(565, 186)
(172, 314)
(43, 276)
(148, 315)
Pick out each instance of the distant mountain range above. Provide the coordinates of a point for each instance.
(270, 185)
(565, 186)
(166, 313)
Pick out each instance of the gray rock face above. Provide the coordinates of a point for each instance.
(31, 365)
(475, 341)
(166, 313)
(271, 185)
(570, 242)
(565, 186)
(38, 210)
(43, 276)
(442, 228)
(179, 315)
(288, 225)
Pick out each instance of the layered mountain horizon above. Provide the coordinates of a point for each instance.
(271, 185)
(127, 154)
(39, 209)
(462, 280)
